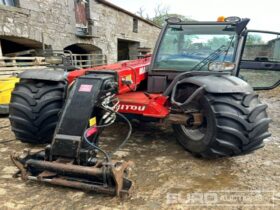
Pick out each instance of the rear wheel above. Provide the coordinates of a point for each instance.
(34, 109)
(233, 124)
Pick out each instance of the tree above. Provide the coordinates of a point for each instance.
(254, 39)
(217, 42)
(161, 13)
(141, 12)
(160, 19)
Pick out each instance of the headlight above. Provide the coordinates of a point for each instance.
(221, 66)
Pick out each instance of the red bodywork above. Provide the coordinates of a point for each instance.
(131, 100)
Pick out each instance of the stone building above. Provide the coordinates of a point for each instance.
(82, 26)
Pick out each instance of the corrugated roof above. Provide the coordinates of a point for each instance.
(109, 4)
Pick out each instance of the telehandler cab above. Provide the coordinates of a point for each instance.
(193, 81)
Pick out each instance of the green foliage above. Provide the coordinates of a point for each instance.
(170, 44)
(161, 13)
(254, 39)
(160, 19)
(217, 42)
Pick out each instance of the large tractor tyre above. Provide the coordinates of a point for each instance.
(34, 109)
(234, 124)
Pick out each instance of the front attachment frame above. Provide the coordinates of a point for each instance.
(102, 177)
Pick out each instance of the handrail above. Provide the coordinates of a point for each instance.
(21, 61)
(88, 60)
(14, 65)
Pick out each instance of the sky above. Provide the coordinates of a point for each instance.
(264, 15)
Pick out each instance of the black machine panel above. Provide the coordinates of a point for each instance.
(157, 84)
(82, 99)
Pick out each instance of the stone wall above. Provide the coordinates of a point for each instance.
(54, 20)
(37, 17)
(120, 26)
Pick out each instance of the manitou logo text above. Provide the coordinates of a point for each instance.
(125, 107)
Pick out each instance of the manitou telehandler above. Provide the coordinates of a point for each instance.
(195, 80)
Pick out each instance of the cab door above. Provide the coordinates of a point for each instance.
(260, 60)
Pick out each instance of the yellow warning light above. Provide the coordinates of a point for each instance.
(221, 19)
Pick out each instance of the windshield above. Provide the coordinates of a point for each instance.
(193, 47)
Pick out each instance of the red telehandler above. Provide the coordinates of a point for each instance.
(195, 80)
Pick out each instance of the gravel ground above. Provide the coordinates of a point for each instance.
(164, 175)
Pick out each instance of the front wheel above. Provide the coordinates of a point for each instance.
(233, 124)
(34, 109)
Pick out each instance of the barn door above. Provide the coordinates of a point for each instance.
(81, 10)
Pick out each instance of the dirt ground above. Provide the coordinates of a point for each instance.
(165, 176)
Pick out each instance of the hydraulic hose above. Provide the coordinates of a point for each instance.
(108, 156)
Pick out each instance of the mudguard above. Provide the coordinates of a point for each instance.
(46, 74)
(220, 84)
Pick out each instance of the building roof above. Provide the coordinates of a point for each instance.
(109, 4)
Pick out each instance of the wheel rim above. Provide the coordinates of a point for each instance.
(196, 134)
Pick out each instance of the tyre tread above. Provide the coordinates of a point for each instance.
(34, 109)
(241, 125)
